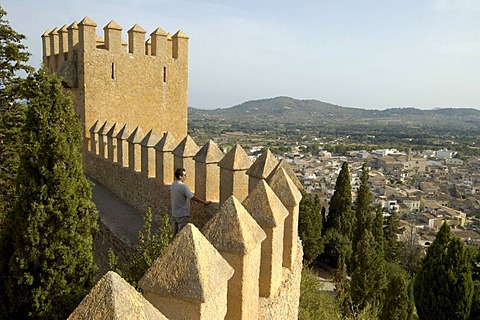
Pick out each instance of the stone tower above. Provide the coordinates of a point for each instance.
(141, 81)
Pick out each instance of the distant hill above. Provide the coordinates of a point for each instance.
(286, 110)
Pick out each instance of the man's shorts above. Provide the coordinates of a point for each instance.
(178, 223)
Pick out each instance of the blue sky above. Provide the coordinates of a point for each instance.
(371, 54)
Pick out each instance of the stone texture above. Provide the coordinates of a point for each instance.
(269, 212)
(234, 180)
(207, 172)
(113, 298)
(183, 158)
(236, 235)
(284, 164)
(164, 158)
(290, 196)
(192, 274)
(261, 168)
(147, 146)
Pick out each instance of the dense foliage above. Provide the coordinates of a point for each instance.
(310, 227)
(443, 287)
(150, 247)
(50, 258)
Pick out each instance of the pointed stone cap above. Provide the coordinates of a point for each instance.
(105, 128)
(167, 143)
(46, 33)
(236, 159)
(263, 166)
(63, 29)
(186, 148)
(264, 206)
(180, 34)
(284, 164)
(285, 189)
(151, 139)
(113, 298)
(233, 229)
(96, 127)
(114, 130)
(159, 32)
(190, 269)
(124, 133)
(87, 22)
(209, 153)
(112, 25)
(54, 31)
(137, 29)
(136, 136)
(73, 26)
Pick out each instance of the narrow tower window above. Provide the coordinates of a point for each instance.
(164, 74)
(113, 70)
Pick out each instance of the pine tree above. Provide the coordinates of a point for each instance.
(340, 220)
(310, 227)
(51, 265)
(443, 286)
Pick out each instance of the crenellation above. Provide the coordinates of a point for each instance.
(207, 171)
(112, 142)
(102, 139)
(148, 144)
(135, 150)
(159, 42)
(122, 145)
(183, 158)
(94, 143)
(233, 169)
(136, 40)
(261, 168)
(86, 34)
(164, 158)
(113, 37)
(63, 43)
(72, 40)
(180, 45)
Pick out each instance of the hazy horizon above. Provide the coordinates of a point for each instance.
(370, 55)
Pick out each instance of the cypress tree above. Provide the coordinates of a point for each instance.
(363, 212)
(368, 277)
(13, 60)
(340, 220)
(391, 241)
(395, 305)
(378, 229)
(310, 227)
(443, 286)
(51, 265)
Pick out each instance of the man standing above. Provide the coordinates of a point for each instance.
(180, 197)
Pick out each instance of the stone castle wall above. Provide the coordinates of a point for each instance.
(141, 81)
(239, 258)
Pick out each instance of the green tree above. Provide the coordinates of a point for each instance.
(368, 277)
(396, 294)
(315, 304)
(310, 227)
(13, 59)
(150, 247)
(51, 264)
(363, 212)
(390, 234)
(340, 220)
(377, 229)
(443, 286)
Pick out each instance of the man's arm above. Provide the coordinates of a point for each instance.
(206, 202)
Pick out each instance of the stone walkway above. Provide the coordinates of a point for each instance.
(123, 220)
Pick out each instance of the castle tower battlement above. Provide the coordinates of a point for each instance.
(140, 81)
(131, 97)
